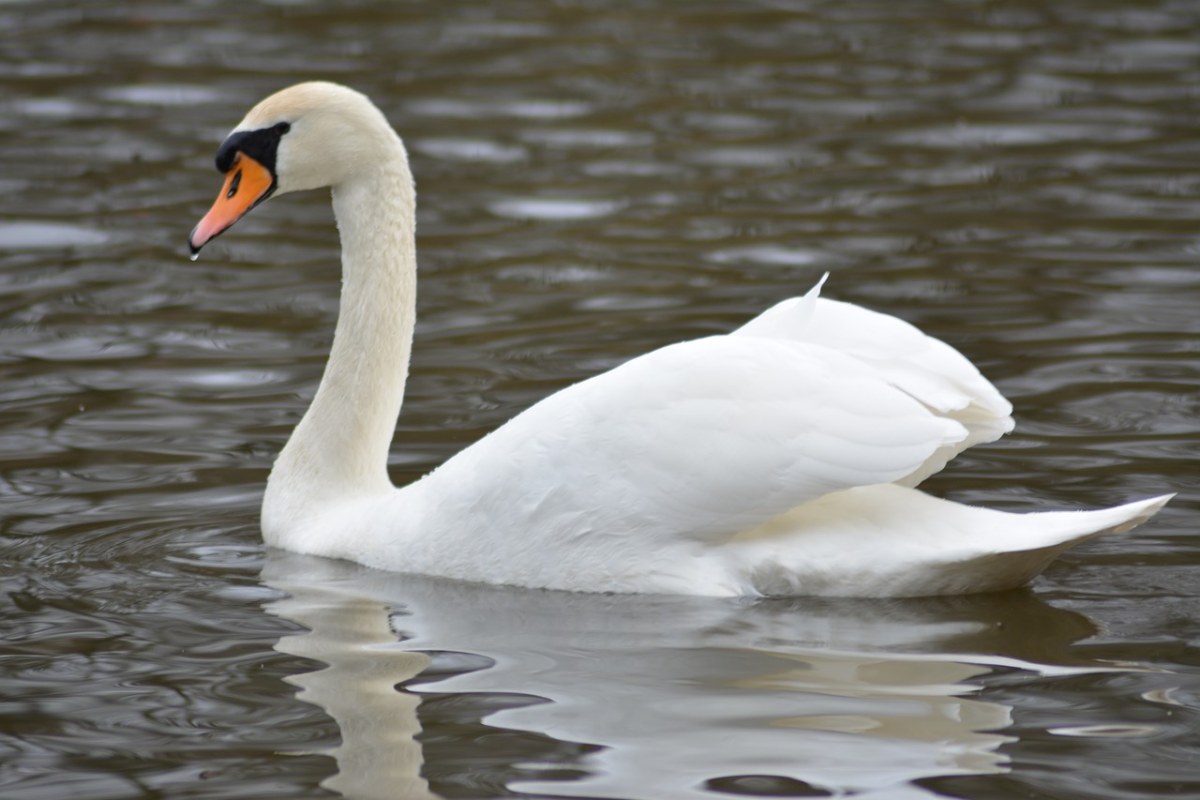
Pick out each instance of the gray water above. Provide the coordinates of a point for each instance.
(1018, 178)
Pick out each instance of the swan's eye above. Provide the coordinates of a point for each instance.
(234, 184)
(259, 144)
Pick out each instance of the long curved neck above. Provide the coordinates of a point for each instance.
(341, 445)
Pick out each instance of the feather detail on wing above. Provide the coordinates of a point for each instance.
(699, 440)
(927, 369)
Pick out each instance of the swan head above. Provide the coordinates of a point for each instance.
(308, 136)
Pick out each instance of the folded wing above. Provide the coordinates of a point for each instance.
(700, 440)
(925, 368)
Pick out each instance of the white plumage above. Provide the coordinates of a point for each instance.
(777, 459)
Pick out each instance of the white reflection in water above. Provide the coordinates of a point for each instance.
(676, 692)
(561, 208)
(378, 757)
(31, 235)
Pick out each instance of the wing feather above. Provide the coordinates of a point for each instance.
(702, 439)
(926, 368)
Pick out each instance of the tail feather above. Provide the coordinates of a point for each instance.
(1010, 568)
(893, 541)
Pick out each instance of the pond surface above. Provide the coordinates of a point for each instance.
(1019, 179)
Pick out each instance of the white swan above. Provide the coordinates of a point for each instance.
(776, 460)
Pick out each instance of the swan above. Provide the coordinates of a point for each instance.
(779, 459)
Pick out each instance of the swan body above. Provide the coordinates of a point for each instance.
(779, 459)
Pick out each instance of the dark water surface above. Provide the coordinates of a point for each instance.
(1021, 179)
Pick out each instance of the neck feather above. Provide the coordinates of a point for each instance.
(340, 447)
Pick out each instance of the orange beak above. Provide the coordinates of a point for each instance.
(247, 183)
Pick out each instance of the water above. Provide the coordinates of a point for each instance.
(594, 181)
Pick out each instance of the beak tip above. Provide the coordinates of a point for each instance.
(193, 247)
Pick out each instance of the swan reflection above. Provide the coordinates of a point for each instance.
(653, 696)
